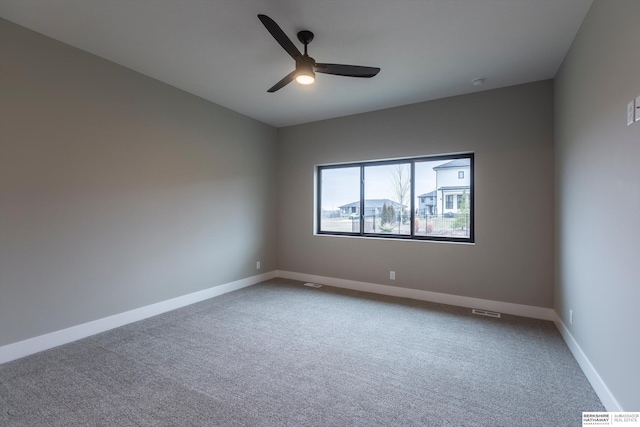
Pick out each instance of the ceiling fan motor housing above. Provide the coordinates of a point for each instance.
(306, 61)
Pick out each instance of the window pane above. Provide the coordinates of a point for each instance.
(443, 198)
(387, 205)
(340, 199)
(449, 202)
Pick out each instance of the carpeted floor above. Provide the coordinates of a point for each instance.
(281, 354)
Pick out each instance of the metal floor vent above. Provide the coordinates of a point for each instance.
(313, 285)
(485, 313)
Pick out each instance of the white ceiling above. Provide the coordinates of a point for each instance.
(219, 50)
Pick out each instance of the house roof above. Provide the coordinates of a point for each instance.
(373, 203)
(457, 163)
(454, 187)
(429, 194)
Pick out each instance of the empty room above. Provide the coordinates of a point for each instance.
(319, 213)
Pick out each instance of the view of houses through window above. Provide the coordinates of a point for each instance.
(423, 198)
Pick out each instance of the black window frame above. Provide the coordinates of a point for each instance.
(412, 236)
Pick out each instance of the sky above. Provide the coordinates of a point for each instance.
(341, 186)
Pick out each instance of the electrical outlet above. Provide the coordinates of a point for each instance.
(571, 317)
(638, 109)
(392, 275)
(258, 265)
(630, 112)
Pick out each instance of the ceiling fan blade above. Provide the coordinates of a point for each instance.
(280, 36)
(347, 70)
(282, 83)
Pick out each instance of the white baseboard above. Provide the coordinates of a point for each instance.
(44, 342)
(599, 386)
(460, 301)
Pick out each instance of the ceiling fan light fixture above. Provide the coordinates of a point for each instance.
(305, 75)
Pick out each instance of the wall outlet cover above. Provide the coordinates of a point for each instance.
(638, 109)
(630, 112)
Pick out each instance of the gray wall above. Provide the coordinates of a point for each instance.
(598, 195)
(118, 191)
(511, 132)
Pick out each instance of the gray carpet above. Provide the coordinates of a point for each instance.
(281, 354)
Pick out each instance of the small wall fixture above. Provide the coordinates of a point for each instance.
(478, 81)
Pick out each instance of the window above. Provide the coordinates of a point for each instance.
(340, 183)
(449, 201)
(386, 198)
(405, 198)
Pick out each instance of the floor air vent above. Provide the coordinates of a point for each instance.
(485, 313)
(313, 285)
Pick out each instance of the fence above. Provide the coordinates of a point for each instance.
(430, 225)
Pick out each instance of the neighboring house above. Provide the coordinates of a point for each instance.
(371, 207)
(452, 184)
(427, 203)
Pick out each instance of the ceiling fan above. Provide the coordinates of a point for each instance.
(306, 66)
